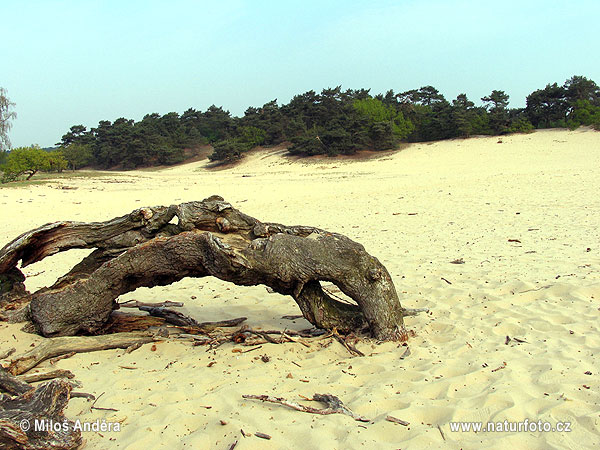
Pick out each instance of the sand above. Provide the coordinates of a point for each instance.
(523, 215)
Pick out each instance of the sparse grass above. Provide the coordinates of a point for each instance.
(44, 178)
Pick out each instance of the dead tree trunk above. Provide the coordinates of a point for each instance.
(211, 239)
(34, 418)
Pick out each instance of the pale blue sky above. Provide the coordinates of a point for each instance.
(77, 62)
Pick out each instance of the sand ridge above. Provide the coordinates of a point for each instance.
(521, 213)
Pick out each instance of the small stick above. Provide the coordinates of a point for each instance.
(83, 395)
(41, 376)
(262, 435)
(351, 348)
(103, 409)
(58, 358)
(173, 317)
(232, 446)
(98, 407)
(252, 349)
(263, 335)
(291, 339)
(441, 432)
(399, 421)
(499, 368)
(334, 405)
(133, 347)
(446, 280)
(414, 311)
(136, 304)
(97, 398)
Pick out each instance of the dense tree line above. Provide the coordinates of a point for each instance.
(331, 123)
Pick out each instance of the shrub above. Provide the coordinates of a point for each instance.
(25, 161)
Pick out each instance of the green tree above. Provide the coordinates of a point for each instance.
(497, 103)
(7, 115)
(583, 113)
(386, 125)
(25, 161)
(463, 114)
(253, 136)
(78, 155)
(56, 161)
(78, 134)
(580, 88)
(547, 107)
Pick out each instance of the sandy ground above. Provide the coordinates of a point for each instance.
(523, 214)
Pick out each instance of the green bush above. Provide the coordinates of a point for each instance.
(229, 150)
(521, 125)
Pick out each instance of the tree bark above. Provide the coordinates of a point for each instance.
(44, 405)
(211, 238)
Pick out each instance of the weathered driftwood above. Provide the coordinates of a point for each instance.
(11, 384)
(34, 419)
(211, 238)
(48, 375)
(50, 348)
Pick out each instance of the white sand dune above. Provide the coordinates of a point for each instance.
(523, 214)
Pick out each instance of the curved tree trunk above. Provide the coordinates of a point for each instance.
(211, 239)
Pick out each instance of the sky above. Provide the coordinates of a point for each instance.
(73, 62)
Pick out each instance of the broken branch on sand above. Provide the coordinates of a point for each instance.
(334, 405)
(137, 304)
(52, 347)
(43, 376)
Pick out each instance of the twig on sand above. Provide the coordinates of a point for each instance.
(414, 311)
(58, 358)
(83, 395)
(441, 432)
(100, 408)
(334, 405)
(41, 376)
(293, 317)
(500, 367)
(137, 304)
(347, 344)
(396, 420)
